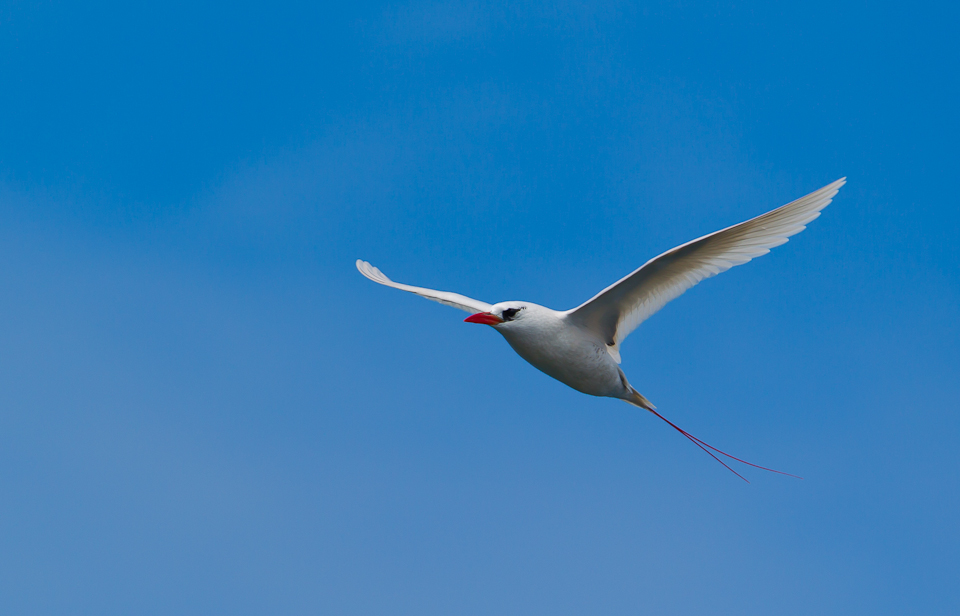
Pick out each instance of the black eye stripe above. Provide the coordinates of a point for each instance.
(510, 313)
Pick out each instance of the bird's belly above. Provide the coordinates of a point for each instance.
(582, 364)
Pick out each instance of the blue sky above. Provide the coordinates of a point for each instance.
(204, 408)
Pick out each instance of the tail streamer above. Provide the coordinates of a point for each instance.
(707, 448)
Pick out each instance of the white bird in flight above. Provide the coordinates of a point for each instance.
(581, 347)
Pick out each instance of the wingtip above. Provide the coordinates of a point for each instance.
(371, 272)
(833, 187)
(821, 198)
(364, 267)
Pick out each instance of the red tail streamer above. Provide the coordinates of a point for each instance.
(706, 447)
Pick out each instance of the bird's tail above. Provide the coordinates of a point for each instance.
(637, 399)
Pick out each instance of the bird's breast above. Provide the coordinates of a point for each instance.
(570, 355)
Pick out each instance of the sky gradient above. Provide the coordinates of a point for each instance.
(204, 408)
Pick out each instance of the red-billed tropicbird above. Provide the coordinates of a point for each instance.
(581, 347)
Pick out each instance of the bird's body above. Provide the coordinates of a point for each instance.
(566, 351)
(581, 347)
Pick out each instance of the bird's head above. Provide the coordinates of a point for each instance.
(500, 314)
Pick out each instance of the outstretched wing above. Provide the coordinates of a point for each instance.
(450, 299)
(620, 308)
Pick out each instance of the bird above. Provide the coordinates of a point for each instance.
(580, 347)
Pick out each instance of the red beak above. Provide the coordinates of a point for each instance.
(484, 318)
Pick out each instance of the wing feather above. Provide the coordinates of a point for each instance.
(448, 299)
(620, 308)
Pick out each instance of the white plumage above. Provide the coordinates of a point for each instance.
(581, 347)
(454, 300)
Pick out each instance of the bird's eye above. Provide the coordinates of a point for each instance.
(510, 313)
